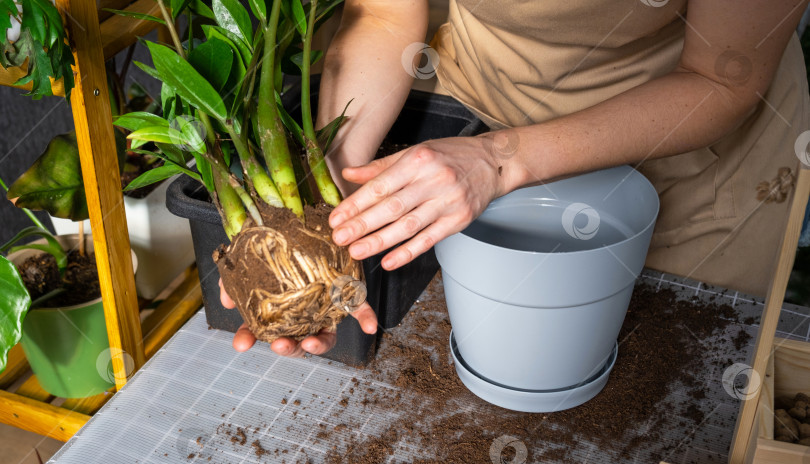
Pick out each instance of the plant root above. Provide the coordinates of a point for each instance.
(313, 284)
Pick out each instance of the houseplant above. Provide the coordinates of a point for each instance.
(424, 116)
(161, 241)
(220, 106)
(52, 305)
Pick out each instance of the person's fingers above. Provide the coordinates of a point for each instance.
(287, 347)
(397, 230)
(366, 317)
(422, 242)
(385, 183)
(362, 174)
(319, 344)
(224, 298)
(243, 339)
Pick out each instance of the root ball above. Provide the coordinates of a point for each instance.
(287, 278)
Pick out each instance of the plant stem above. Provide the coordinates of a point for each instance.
(27, 211)
(262, 183)
(231, 188)
(172, 30)
(272, 137)
(317, 165)
(232, 211)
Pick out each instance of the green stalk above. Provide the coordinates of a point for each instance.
(317, 165)
(272, 137)
(254, 172)
(231, 188)
(232, 211)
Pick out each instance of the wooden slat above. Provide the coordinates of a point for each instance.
(102, 183)
(16, 366)
(743, 432)
(172, 313)
(11, 75)
(777, 452)
(119, 32)
(88, 405)
(791, 366)
(112, 4)
(38, 417)
(32, 389)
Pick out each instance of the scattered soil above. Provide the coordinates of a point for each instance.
(80, 281)
(662, 346)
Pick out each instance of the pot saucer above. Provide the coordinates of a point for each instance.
(531, 400)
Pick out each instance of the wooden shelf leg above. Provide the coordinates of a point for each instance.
(94, 132)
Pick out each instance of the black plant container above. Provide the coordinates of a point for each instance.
(425, 116)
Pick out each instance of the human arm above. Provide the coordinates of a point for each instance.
(435, 189)
(364, 65)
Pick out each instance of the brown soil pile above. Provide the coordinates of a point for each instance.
(662, 346)
(280, 275)
(80, 281)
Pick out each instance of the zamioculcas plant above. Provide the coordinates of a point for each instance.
(221, 105)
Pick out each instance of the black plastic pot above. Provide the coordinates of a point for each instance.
(425, 116)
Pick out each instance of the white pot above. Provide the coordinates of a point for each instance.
(161, 240)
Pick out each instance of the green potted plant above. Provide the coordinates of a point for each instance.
(221, 106)
(52, 306)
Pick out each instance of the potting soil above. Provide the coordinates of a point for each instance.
(199, 401)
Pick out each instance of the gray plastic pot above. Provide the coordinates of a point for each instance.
(538, 286)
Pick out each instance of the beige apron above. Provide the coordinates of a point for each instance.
(516, 63)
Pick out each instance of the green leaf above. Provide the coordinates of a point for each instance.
(214, 60)
(327, 133)
(231, 39)
(186, 81)
(132, 14)
(300, 17)
(149, 70)
(164, 134)
(232, 16)
(153, 176)
(54, 181)
(205, 170)
(178, 6)
(13, 307)
(51, 245)
(201, 9)
(298, 58)
(289, 122)
(139, 119)
(259, 9)
(172, 153)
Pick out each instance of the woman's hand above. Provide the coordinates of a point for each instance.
(243, 339)
(424, 193)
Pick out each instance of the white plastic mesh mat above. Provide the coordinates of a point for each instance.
(189, 401)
